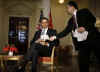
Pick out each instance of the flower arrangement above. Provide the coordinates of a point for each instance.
(11, 48)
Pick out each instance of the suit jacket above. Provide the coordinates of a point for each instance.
(50, 32)
(84, 19)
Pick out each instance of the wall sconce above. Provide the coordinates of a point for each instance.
(61, 1)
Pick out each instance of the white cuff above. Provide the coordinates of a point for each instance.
(48, 45)
(55, 37)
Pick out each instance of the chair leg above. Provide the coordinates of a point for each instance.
(52, 64)
(52, 60)
(52, 67)
(2, 64)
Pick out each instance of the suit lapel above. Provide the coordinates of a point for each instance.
(39, 33)
(48, 32)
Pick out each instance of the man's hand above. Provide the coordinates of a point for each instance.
(52, 38)
(81, 29)
(38, 41)
(44, 43)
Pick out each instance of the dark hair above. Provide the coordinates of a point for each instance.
(44, 18)
(73, 3)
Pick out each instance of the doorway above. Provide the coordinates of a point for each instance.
(18, 33)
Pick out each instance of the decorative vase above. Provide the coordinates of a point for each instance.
(10, 53)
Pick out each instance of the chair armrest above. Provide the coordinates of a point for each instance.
(52, 54)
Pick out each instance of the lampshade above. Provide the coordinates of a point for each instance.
(61, 1)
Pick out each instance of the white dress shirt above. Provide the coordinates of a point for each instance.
(44, 35)
(75, 13)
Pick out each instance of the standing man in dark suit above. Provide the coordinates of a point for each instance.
(40, 45)
(84, 33)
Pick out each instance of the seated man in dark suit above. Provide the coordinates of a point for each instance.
(40, 45)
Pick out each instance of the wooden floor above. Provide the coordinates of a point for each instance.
(65, 63)
(69, 64)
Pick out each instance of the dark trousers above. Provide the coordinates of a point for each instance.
(85, 49)
(33, 52)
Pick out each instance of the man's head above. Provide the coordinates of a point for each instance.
(44, 22)
(71, 7)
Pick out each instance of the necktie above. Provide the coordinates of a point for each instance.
(74, 22)
(43, 32)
